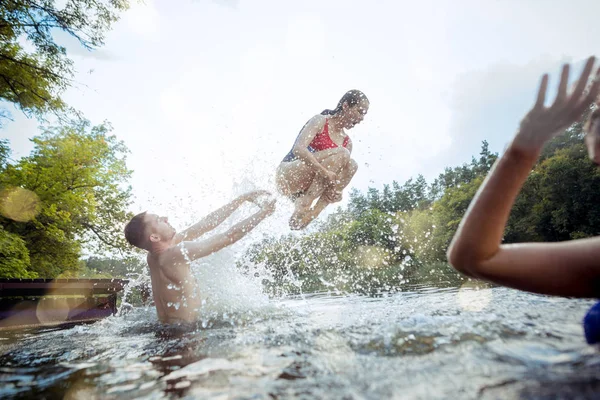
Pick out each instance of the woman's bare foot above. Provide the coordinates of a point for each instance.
(296, 219)
(300, 220)
(332, 195)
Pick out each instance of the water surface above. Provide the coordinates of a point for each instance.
(421, 343)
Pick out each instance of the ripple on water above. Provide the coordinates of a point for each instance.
(421, 343)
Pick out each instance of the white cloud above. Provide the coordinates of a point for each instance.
(489, 103)
(306, 38)
(142, 18)
(220, 94)
(228, 3)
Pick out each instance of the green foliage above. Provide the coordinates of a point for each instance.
(411, 195)
(4, 154)
(418, 235)
(114, 267)
(14, 257)
(447, 214)
(34, 79)
(78, 175)
(386, 238)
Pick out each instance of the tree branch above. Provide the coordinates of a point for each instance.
(98, 235)
(41, 69)
(6, 79)
(10, 85)
(60, 20)
(71, 188)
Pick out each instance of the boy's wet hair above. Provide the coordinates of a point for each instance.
(135, 231)
(352, 97)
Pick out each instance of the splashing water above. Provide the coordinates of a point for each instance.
(418, 344)
(229, 295)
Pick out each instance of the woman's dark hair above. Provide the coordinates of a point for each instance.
(352, 97)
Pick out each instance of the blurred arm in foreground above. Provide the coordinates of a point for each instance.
(569, 268)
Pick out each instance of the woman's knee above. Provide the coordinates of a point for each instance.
(293, 178)
(341, 155)
(352, 167)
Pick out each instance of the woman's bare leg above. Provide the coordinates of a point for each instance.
(297, 176)
(345, 177)
(342, 165)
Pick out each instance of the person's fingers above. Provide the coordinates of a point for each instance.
(541, 97)
(257, 193)
(562, 86)
(591, 96)
(594, 88)
(271, 202)
(583, 80)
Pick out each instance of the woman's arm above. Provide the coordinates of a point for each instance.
(570, 268)
(300, 149)
(349, 145)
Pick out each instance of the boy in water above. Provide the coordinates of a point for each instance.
(170, 253)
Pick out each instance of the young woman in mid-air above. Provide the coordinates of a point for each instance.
(570, 268)
(319, 163)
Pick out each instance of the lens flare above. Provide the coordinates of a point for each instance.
(19, 204)
(372, 257)
(51, 310)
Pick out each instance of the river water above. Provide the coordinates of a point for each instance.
(420, 343)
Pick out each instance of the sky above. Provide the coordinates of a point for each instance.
(209, 95)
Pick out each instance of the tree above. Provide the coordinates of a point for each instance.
(447, 214)
(567, 196)
(14, 257)
(34, 79)
(403, 231)
(357, 203)
(76, 178)
(373, 228)
(114, 267)
(4, 154)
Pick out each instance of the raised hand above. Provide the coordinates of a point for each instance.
(330, 178)
(269, 206)
(262, 199)
(543, 123)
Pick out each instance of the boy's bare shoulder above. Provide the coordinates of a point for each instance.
(158, 260)
(173, 256)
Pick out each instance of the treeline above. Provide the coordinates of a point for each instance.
(399, 234)
(71, 192)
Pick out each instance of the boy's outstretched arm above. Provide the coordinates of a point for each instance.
(568, 268)
(195, 250)
(216, 218)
